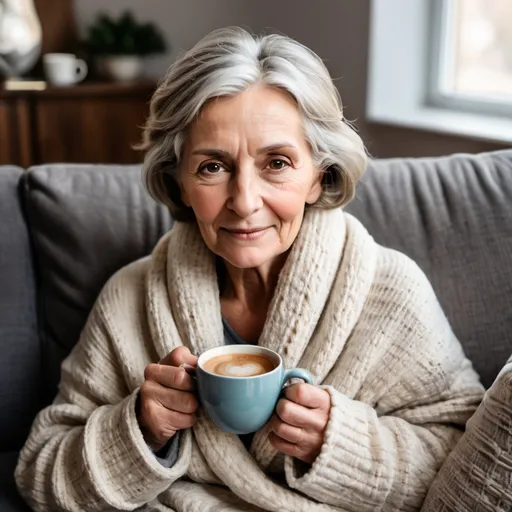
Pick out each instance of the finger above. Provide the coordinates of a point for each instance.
(162, 423)
(179, 420)
(284, 446)
(300, 416)
(286, 431)
(171, 399)
(191, 370)
(169, 376)
(179, 356)
(308, 396)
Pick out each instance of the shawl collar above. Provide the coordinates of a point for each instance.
(319, 296)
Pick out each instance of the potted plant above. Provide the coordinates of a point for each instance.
(121, 44)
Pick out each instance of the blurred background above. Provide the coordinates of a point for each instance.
(417, 77)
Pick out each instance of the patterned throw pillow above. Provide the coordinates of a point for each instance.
(477, 475)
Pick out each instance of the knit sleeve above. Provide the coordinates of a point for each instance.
(372, 463)
(168, 455)
(86, 450)
(384, 445)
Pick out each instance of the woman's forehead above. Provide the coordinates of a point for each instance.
(266, 117)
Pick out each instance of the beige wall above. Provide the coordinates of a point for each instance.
(336, 29)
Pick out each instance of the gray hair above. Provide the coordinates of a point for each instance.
(226, 62)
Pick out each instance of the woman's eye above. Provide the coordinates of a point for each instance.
(211, 168)
(277, 164)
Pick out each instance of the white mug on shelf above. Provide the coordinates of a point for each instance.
(63, 69)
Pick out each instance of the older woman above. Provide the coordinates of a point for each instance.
(247, 145)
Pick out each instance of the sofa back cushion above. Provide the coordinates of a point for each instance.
(19, 344)
(86, 223)
(450, 214)
(453, 216)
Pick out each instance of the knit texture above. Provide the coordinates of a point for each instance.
(361, 318)
(477, 474)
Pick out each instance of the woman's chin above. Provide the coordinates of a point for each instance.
(247, 258)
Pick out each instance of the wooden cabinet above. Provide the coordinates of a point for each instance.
(86, 123)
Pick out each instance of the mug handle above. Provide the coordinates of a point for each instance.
(81, 68)
(297, 373)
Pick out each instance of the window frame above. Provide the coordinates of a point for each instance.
(400, 76)
(441, 66)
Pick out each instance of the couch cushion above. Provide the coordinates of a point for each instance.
(453, 216)
(450, 214)
(86, 222)
(477, 475)
(19, 344)
(10, 500)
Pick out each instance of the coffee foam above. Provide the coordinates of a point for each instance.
(239, 365)
(247, 369)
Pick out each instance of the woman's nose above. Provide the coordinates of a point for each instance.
(245, 194)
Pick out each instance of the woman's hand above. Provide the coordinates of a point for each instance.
(298, 426)
(166, 399)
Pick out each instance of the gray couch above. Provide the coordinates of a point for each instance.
(64, 229)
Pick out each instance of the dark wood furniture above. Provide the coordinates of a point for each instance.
(58, 21)
(86, 123)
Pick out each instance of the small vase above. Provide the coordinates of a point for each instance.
(124, 68)
(20, 37)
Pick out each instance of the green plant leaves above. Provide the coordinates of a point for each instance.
(124, 36)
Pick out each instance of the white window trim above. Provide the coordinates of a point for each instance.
(399, 74)
(441, 66)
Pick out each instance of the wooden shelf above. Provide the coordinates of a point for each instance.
(92, 122)
(87, 89)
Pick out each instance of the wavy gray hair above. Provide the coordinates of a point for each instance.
(226, 62)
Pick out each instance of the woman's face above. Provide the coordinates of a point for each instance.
(247, 172)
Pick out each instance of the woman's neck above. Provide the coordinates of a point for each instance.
(251, 287)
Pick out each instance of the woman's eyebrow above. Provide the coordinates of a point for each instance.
(220, 153)
(274, 147)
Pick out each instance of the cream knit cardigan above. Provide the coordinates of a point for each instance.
(361, 318)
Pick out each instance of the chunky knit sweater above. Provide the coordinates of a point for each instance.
(361, 318)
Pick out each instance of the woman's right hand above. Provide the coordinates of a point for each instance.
(167, 402)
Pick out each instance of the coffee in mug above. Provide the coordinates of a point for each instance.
(239, 385)
(239, 365)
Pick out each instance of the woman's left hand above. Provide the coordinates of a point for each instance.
(300, 420)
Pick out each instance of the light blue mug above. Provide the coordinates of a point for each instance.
(242, 405)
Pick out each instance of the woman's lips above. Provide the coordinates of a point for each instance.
(247, 234)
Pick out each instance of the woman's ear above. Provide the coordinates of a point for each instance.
(316, 189)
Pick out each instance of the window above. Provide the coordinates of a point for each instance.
(442, 65)
(471, 61)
